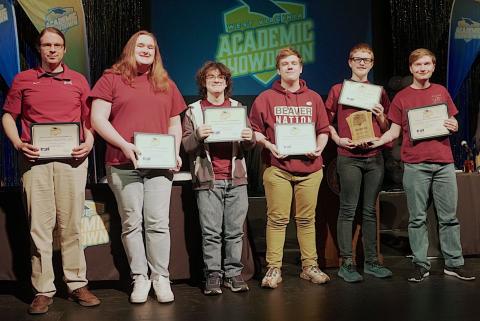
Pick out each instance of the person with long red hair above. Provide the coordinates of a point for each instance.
(136, 95)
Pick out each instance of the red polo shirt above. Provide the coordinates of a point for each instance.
(38, 97)
(136, 108)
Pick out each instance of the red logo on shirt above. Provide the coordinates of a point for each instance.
(437, 98)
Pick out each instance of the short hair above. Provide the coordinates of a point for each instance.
(201, 78)
(361, 47)
(419, 53)
(285, 52)
(52, 30)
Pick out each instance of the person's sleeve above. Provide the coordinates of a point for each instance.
(86, 103)
(13, 101)
(178, 103)
(395, 112)
(104, 88)
(256, 115)
(249, 144)
(452, 109)
(323, 123)
(331, 104)
(189, 138)
(385, 102)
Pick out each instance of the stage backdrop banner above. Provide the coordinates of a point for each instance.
(67, 16)
(9, 59)
(464, 42)
(246, 35)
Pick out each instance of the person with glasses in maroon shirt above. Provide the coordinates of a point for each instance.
(54, 189)
(360, 170)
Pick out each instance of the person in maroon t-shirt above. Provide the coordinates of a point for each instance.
(358, 167)
(297, 177)
(136, 95)
(54, 188)
(219, 175)
(428, 169)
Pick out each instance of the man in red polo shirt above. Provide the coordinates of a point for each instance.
(54, 189)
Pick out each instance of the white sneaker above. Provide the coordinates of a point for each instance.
(141, 287)
(272, 278)
(162, 290)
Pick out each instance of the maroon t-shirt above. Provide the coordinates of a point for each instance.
(342, 112)
(221, 152)
(277, 105)
(38, 97)
(136, 108)
(435, 150)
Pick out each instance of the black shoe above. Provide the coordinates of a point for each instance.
(418, 274)
(458, 272)
(236, 284)
(212, 284)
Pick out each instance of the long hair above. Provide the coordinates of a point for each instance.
(126, 65)
(201, 78)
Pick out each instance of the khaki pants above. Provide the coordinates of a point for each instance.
(55, 194)
(280, 188)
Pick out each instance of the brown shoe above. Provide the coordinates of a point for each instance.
(40, 304)
(84, 297)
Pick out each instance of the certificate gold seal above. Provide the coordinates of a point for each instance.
(55, 131)
(225, 115)
(294, 131)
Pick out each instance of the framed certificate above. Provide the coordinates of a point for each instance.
(227, 123)
(360, 94)
(55, 140)
(427, 122)
(295, 139)
(157, 151)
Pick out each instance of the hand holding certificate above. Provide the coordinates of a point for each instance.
(157, 151)
(55, 140)
(427, 122)
(227, 123)
(295, 139)
(360, 95)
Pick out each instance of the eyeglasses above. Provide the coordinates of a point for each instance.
(359, 60)
(48, 46)
(213, 77)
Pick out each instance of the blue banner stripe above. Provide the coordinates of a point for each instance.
(9, 58)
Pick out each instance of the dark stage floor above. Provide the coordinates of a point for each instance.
(437, 298)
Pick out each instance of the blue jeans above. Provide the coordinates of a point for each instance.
(143, 200)
(357, 173)
(418, 181)
(222, 212)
